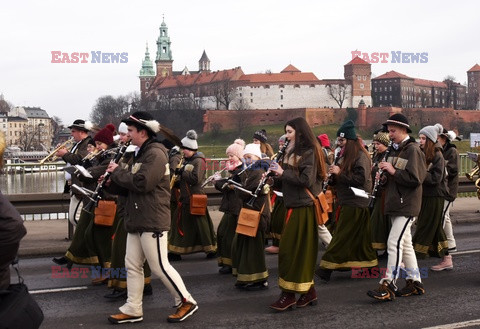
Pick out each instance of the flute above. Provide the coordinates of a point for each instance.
(378, 177)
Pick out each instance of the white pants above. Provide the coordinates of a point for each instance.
(72, 213)
(400, 249)
(447, 225)
(153, 248)
(324, 235)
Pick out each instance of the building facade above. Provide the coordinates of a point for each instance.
(233, 90)
(398, 90)
(473, 76)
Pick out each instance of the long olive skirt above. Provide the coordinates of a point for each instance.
(78, 252)
(298, 251)
(429, 237)
(191, 233)
(380, 225)
(351, 245)
(248, 258)
(225, 235)
(277, 221)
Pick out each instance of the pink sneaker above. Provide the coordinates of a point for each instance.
(445, 264)
(272, 250)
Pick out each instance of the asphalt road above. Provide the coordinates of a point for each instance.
(452, 296)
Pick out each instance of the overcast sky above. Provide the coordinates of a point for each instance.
(315, 36)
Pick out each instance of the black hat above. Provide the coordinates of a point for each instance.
(81, 125)
(261, 135)
(145, 120)
(347, 130)
(398, 119)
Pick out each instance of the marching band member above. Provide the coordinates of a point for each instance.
(147, 220)
(452, 159)
(405, 169)
(277, 219)
(230, 206)
(429, 237)
(380, 223)
(303, 167)
(327, 150)
(351, 245)
(118, 283)
(248, 257)
(191, 233)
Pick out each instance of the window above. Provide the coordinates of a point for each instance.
(251, 100)
(240, 94)
(390, 97)
(364, 78)
(147, 85)
(359, 78)
(251, 94)
(362, 86)
(312, 86)
(281, 86)
(164, 50)
(267, 86)
(281, 96)
(296, 86)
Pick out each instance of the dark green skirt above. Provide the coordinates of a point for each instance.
(380, 224)
(248, 258)
(429, 237)
(298, 251)
(225, 234)
(78, 252)
(277, 221)
(118, 278)
(190, 233)
(351, 245)
(99, 241)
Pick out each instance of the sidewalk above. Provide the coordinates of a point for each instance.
(49, 237)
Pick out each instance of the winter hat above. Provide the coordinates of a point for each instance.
(105, 135)
(189, 142)
(324, 141)
(282, 138)
(144, 120)
(123, 128)
(450, 135)
(432, 132)
(261, 135)
(347, 130)
(253, 149)
(398, 119)
(236, 148)
(382, 138)
(82, 125)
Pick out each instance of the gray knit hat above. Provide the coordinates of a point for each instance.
(432, 132)
(189, 142)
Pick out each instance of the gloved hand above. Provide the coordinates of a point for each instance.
(178, 171)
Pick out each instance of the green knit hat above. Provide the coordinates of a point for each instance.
(347, 130)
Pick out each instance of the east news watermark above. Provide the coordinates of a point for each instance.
(393, 57)
(94, 57)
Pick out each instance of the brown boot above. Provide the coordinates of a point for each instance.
(310, 298)
(286, 300)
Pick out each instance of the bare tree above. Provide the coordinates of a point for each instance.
(224, 93)
(240, 105)
(338, 93)
(30, 138)
(112, 110)
(449, 80)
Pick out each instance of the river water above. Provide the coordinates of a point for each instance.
(45, 182)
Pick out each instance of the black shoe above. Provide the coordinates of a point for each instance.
(174, 257)
(211, 255)
(226, 269)
(256, 286)
(323, 274)
(411, 288)
(60, 260)
(147, 290)
(116, 294)
(240, 285)
(385, 292)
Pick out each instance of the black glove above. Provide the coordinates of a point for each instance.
(178, 171)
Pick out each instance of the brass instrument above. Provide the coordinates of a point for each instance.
(175, 176)
(52, 157)
(212, 177)
(470, 175)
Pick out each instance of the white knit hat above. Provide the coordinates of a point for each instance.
(236, 148)
(190, 141)
(123, 128)
(253, 149)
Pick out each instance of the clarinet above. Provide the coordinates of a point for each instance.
(95, 197)
(269, 173)
(378, 177)
(327, 180)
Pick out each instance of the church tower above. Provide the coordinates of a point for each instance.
(147, 74)
(164, 58)
(359, 73)
(204, 63)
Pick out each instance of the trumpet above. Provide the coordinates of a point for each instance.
(472, 173)
(52, 157)
(93, 155)
(212, 177)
